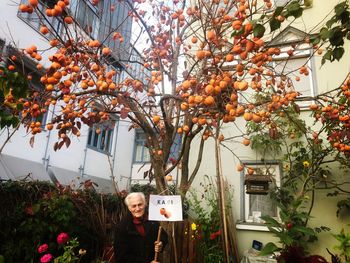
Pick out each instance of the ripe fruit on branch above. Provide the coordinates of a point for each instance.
(33, 3)
(240, 167)
(106, 51)
(211, 35)
(156, 119)
(246, 142)
(169, 177)
(44, 30)
(68, 20)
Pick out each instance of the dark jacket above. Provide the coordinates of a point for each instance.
(130, 246)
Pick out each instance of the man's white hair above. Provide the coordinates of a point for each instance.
(133, 195)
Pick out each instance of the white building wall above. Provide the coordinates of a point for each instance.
(78, 158)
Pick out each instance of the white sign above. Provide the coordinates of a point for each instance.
(165, 208)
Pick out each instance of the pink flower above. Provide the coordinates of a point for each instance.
(43, 248)
(62, 238)
(46, 258)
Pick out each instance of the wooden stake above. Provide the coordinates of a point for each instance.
(156, 253)
(221, 198)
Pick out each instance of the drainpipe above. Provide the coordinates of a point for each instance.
(46, 159)
(82, 167)
(132, 161)
(115, 146)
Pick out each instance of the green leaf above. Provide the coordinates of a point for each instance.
(283, 216)
(294, 9)
(278, 11)
(330, 22)
(340, 8)
(305, 230)
(298, 13)
(274, 24)
(293, 6)
(328, 55)
(336, 36)
(270, 221)
(285, 238)
(345, 17)
(259, 30)
(15, 121)
(315, 40)
(324, 33)
(269, 249)
(338, 53)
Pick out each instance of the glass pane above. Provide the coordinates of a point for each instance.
(263, 204)
(108, 140)
(175, 147)
(95, 27)
(90, 137)
(85, 16)
(146, 155)
(102, 140)
(281, 2)
(138, 153)
(95, 143)
(303, 86)
(74, 6)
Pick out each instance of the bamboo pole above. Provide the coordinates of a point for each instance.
(221, 198)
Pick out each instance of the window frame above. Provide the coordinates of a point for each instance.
(301, 2)
(174, 150)
(108, 127)
(30, 21)
(303, 52)
(245, 198)
(96, 11)
(143, 145)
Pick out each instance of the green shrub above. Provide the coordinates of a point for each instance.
(34, 212)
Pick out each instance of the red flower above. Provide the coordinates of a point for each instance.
(215, 235)
(43, 248)
(62, 238)
(46, 258)
(29, 210)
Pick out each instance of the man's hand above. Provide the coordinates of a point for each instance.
(158, 246)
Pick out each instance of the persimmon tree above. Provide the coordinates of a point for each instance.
(207, 64)
(211, 53)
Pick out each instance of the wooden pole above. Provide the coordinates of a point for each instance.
(174, 240)
(158, 239)
(221, 198)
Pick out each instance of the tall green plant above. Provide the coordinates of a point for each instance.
(206, 212)
(343, 244)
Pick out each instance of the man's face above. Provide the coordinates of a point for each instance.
(136, 206)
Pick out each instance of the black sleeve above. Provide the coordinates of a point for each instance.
(164, 238)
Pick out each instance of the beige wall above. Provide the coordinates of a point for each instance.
(328, 77)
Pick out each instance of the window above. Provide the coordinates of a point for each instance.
(141, 152)
(34, 21)
(285, 2)
(283, 65)
(256, 205)
(101, 136)
(87, 16)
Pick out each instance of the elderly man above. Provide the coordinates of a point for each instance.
(136, 237)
